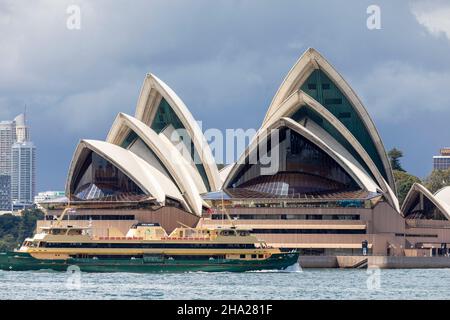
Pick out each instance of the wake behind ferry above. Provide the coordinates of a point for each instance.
(147, 248)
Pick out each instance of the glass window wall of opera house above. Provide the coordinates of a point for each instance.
(100, 179)
(332, 192)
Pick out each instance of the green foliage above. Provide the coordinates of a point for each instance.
(437, 180)
(394, 157)
(403, 183)
(13, 229)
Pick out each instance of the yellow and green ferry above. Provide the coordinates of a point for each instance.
(146, 248)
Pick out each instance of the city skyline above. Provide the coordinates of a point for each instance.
(97, 70)
(17, 164)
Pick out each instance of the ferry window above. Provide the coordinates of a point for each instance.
(58, 231)
(253, 256)
(244, 233)
(242, 256)
(227, 233)
(74, 232)
(260, 256)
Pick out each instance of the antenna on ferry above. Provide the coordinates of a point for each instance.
(221, 196)
(226, 213)
(61, 217)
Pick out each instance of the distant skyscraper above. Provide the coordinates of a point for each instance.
(442, 162)
(17, 164)
(5, 193)
(22, 130)
(23, 173)
(7, 139)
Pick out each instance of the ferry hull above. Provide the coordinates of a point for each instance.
(15, 261)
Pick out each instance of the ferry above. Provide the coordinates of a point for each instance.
(146, 248)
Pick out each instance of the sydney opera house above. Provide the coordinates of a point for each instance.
(333, 189)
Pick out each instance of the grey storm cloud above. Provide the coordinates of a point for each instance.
(223, 58)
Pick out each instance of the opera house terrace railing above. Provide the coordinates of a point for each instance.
(232, 215)
(283, 204)
(421, 223)
(234, 198)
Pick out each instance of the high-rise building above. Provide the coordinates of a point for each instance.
(23, 173)
(22, 130)
(17, 163)
(5, 193)
(7, 139)
(442, 162)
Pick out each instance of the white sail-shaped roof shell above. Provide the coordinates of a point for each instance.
(360, 177)
(150, 180)
(437, 199)
(299, 99)
(153, 90)
(443, 195)
(308, 62)
(225, 172)
(185, 176)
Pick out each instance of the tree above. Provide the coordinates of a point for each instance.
(14, 229)
(437, 180)
(394, 157)
(28, 223)
(403, 183)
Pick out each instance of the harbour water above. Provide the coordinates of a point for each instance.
(293, 284)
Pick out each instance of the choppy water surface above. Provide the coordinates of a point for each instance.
(296, 284)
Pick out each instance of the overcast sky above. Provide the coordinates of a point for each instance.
(225, 59)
